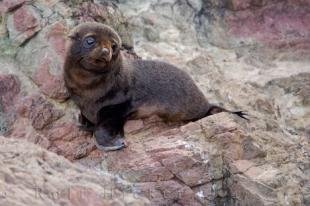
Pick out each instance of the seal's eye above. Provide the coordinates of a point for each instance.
(89, 42)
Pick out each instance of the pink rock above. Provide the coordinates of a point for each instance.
(249, 192)
(69, 141)
(241, 166)
(168, 155)
(148, 171)
(39, 140)
(22, 129)
(52, 86)
(196, 175)
(173, 190)
(9, 89)
(56, 37)
(23, 19)
(133, 126)
(251, 150)
(80, 196)
(177, 163)
(276, 25)
(39, 111)
(163, 143)
(245, 4)
(63, 132)
(91, 12)
(23, 24)
(10, 5)
(148, 189)
(240, 4)
(192, 126)
(167, 193)
(254, 172)
(74, 150)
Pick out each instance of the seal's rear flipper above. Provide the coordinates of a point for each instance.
(241, 114)
(216, 109)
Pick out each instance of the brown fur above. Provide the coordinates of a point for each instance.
(110, 89)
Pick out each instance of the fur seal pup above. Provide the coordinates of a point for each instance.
(110, 89)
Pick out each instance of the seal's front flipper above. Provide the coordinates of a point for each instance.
(117, 143)
(106, 141)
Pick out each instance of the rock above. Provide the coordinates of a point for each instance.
(133, 126)
(210, 192)
(41, 58)
(39, 111)
(51, 85)
(106, 13)
(85, 196)
(23, 24)
(293, 103)
(10, 5)
(247, 55)
(9, 89)
(46, 178)
(247, 192)
(242, 5)
(69, 141)
(167, 193)
(56, 37)
(194, 176)
(178, 162)
(148, 171)
(241, 166)
(251, 150)
(196, 4)
(282, 16)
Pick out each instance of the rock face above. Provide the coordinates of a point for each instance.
(31, 175)
(23, 24)
(250, 55)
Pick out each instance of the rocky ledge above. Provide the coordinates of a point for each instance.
(31, 175)
(250, 55)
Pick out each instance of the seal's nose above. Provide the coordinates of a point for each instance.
(105, 51)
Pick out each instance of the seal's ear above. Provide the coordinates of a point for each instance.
(116, 45)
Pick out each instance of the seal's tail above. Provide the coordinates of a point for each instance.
(213, 109)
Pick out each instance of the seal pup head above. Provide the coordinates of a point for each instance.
(94, 46)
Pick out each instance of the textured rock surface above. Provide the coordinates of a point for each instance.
(31, 175)
(250, 55)
(218, 160)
